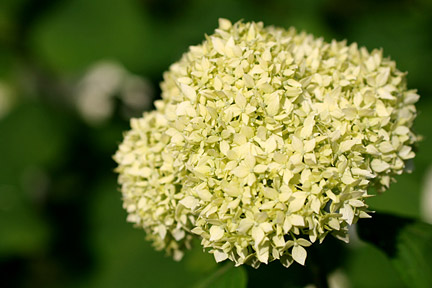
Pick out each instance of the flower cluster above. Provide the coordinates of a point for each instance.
(265, 141)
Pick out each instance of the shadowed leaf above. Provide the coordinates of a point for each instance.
(408, 244)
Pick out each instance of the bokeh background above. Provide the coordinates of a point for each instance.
(73, 72)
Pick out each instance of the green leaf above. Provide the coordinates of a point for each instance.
(227, 276)
(407, 242)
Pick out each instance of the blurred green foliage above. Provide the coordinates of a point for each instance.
(407, 243)
(61, 220)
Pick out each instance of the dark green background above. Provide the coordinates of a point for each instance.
(61, 221)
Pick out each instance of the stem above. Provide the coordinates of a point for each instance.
(318, 267)
(319, 275)
(209, 280)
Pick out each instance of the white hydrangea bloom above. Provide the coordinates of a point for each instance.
(273, 139)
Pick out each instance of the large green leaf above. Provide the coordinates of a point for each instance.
(407, 242)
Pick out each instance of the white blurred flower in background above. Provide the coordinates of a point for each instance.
(6, 99)
(105, 81)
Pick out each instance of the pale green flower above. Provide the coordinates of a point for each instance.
(150, 187)
(270, 140)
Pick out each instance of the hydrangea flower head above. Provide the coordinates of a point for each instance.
(265, 141)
